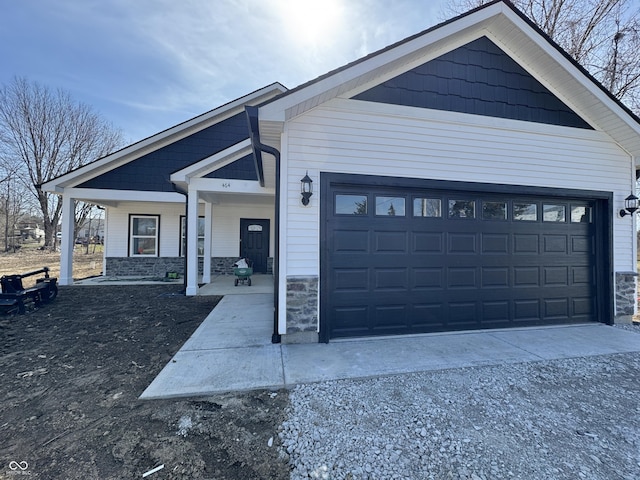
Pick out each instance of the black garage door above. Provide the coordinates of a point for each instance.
(408, 259)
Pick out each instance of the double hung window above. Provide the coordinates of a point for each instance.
(143, 235)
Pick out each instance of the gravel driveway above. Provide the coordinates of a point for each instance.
(560, 419)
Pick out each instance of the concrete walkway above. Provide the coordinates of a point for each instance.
(231, 350)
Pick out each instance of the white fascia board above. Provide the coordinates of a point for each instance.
(161, 139)
(574, 72)
(221, 185)
(276, 110)
(112, 197)
(496, 22)
(214, 162)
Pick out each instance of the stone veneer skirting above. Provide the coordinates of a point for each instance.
(159, 266)
(302, 304)
(625, 293)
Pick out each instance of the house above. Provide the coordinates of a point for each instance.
(470, 176)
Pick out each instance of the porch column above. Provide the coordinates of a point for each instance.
(67, 242)
(192, 242)
(208, 224)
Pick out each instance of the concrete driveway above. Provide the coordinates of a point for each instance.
(231, 351)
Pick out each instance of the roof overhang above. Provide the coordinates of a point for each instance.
(211, 164)
(166, 137)
(510, 29)
(210, 189)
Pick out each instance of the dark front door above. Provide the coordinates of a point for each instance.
(254, 242)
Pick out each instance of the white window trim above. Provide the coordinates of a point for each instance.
(156, 237)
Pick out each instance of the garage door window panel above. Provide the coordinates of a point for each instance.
(427, 207)
(460, 208)
(525, 212)
(390, 206)
(581, 214)
(351, 205)
(494, 210)
(553, 213)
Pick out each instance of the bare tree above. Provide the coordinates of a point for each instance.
(49, 134)
(12, 208)
(12, 201)
(602, 35)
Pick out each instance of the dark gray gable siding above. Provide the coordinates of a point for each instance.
(242, 169)
(151, 172)
(477, 78)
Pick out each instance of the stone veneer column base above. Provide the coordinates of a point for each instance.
(626, 296)
(302, 310)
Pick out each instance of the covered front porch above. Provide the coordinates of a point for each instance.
(225, 217)
(224, 285)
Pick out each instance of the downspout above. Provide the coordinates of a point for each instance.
(258, 147)
(186, 231)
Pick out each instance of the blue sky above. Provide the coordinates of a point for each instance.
(146, 65)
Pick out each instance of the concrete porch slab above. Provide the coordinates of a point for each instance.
(225, 285)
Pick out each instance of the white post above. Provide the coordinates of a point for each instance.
(104, 241)
(192, 243)
(208, 224)
(67, 242)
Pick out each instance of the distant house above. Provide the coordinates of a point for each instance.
(469, 176)
(92, 228)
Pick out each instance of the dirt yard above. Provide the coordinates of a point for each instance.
(71, 375)
(30, 259)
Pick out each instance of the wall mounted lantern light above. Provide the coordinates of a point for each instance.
(630, 205)
(306, 189)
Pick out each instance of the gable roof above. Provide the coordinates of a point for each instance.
(148, 164)
(480, 79)
(151, 171)
(506, 27)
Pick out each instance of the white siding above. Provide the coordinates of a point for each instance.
(225, 235)
(226, 226)
(117, 241)
(376, 139)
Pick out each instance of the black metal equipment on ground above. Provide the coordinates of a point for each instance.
(14, 295)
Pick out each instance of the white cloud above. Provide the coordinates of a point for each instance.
(153, 63)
